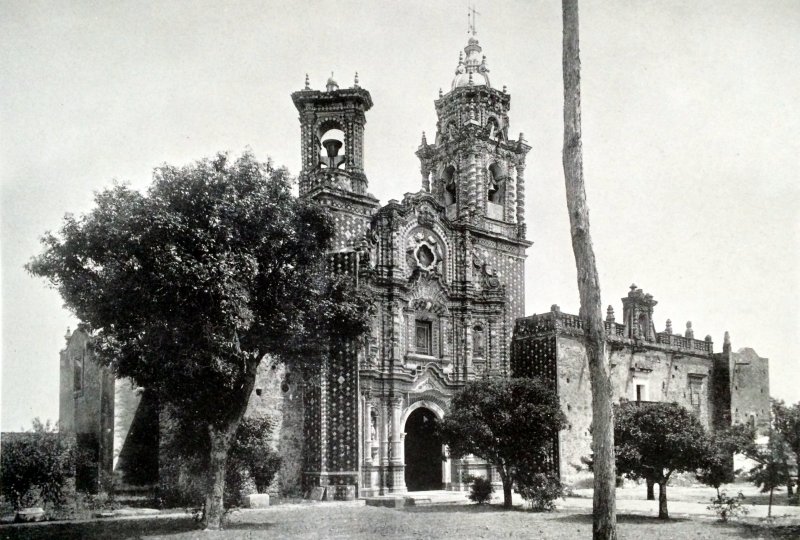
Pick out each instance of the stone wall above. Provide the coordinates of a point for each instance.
(750, 389)
(278, 394)
(86, 405)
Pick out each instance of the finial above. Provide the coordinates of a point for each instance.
(689, 332)
(483, 68)
(555, 308)
(68, 334)
(424, 140)
(505, 89)
(331, 85)
(610, 314)
(471, 28)
(308, 86)
(355, 81)
(460, 57)
(668, 329)
(470, 79)
(440, 92)
(633, 286)
(726, 342)
(709, 339)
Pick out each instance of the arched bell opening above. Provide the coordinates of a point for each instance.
(495, 192)
(423, 451)
(449, 184)
(333, 151)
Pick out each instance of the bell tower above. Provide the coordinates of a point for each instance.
(473, 169)
(332, 152)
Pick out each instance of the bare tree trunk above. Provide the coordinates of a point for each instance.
(221, 437)
(604, 511)
(769, 510)
(650, 491)
(663, 513)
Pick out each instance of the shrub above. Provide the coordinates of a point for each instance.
(540, 490)
(36, 466)
(480, 489)
(728, 507)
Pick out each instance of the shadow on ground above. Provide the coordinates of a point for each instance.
(101, 529)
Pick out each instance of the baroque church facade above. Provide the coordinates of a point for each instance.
(446, 265)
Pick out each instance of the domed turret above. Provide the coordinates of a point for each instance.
(472, 69)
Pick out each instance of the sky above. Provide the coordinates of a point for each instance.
(691, 135)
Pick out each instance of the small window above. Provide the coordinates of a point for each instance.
(640, 393)
(423, 335)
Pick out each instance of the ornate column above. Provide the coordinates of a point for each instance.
(396, 464)
(521, 193)
(511, 195)
(367, 429)
(395, 453)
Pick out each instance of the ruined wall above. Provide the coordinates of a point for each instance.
(278, 394)
(749, 389)
(664, 376)
(86, 406)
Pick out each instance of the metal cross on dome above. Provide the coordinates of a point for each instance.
(471, 28)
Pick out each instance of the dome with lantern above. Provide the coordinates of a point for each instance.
(472, 69)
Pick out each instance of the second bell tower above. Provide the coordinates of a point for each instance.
(332, 150)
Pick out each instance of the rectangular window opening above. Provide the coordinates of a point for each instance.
(423, 337)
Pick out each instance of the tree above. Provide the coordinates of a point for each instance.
(511, 423)
(36, 465)
(786, 421)
(771, 470)
(604, 506)
(189, 286)
(717, 468)
(655, 440)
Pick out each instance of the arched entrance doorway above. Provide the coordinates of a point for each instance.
(423, 451)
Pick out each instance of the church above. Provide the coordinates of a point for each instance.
(447, 266)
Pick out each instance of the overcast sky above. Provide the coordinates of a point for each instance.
(691, 139)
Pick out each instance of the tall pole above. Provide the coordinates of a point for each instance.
(604, 507)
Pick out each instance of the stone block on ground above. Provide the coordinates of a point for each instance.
(258, 500)
(35, 513)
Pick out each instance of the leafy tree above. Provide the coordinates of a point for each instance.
(37, 465)
(771, 471)
(190, 285)
(604, 514)
(510, 423)
(717, 468)
(786, 421)
(655, 440)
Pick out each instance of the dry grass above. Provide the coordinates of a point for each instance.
(450, 521)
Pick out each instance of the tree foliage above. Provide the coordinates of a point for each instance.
(717, 468)
(786, 422)
(188, 286)
(36, 466)
(655, 440)
(510, 423)
(771, 469)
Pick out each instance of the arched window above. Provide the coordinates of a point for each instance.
(332, 150)
(449, 182)
(495, 192)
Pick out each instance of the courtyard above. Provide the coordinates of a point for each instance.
(439, 515)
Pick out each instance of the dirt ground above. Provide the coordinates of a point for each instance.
(462, 521)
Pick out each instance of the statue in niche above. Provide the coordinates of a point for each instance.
(478, 341)
(373, 428)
